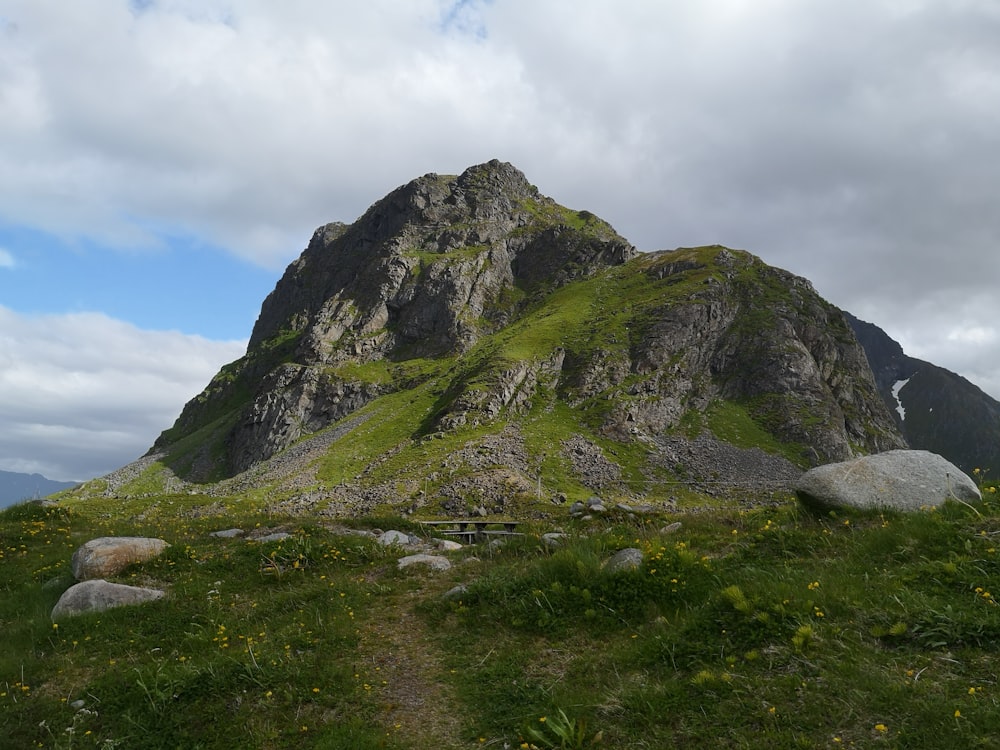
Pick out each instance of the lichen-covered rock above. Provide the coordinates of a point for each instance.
(626, 559)
(901, 480)
(109, 555)
(97, 595)
(434, 562)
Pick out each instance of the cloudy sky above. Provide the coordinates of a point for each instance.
(162, 161)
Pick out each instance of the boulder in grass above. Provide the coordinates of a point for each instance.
(109, 555)
(434, 562)
(98, 595)
(623, 560)
(901, 480)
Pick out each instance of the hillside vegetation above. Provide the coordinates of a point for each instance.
(742, 629)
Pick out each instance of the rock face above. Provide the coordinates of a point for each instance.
(935, 409)
(98, 595)
(896, 480)
(109, 555)
(472, 305)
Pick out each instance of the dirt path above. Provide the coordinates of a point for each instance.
(419, 708)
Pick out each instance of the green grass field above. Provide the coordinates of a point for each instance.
(770, 628)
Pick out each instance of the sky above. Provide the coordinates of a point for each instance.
(163, 161)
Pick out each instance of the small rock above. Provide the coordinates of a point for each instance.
(577, 509)
(447, 545)
(227, 533)
(435, 562)
(629, 558)
(670, 528)
(553, 538)
(391, 537)
(277, 536)
(456, 592)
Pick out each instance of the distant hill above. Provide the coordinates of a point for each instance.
(935, 409)
(15, 487)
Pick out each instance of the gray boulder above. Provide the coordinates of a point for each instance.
(227, 533)
(109, 555)
(903, 480)
(98, 595)
(629, 558)
(553, 538)
(434, 562)
(391, 537)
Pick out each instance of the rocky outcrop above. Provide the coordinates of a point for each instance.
(749, 334)
(427, 271)
(109, 555)
(902, 480)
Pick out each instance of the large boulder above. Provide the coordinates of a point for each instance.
(895, 480)
(109, 555)
(99, 595)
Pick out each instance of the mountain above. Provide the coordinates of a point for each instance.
(15, 487)
(471, 342)
(935, 409)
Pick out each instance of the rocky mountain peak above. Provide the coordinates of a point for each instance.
(430, 267)
(525, 338)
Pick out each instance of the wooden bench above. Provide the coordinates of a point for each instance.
(473, 530)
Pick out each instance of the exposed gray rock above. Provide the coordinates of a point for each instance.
(434, 562)
(391, 537)
(895, 480)
(447, 545)
(629, 558)
(227, 533)
(553, 538)
(670, 528)
(276, 536)
(97, 595)
(109, 555)
(456, 592)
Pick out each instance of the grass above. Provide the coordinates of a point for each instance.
(741, 629)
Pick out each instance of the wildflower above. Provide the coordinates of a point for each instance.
(958, 714)
(881, 728)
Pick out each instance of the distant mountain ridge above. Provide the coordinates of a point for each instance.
(15, 487)
(934, 408)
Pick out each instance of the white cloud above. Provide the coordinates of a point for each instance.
(83, 394)
(6, 259)
(853, 142)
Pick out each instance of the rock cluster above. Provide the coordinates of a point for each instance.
(105, 557)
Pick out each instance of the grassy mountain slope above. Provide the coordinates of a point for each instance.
(632, 358)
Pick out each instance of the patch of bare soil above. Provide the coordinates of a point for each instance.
(418, 705)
